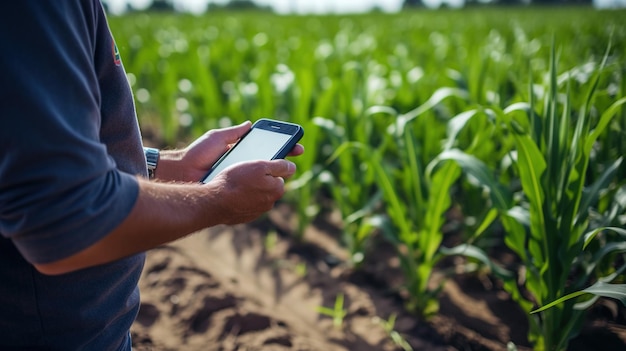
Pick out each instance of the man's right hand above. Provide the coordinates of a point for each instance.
(249, 189)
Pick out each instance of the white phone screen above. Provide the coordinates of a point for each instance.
(258, 144)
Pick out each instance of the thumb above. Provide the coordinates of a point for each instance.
(234, 133)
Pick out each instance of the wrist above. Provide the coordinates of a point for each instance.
(172, 166)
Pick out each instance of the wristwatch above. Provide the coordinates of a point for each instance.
(152, 158)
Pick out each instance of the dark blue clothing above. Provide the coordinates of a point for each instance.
(70, 149)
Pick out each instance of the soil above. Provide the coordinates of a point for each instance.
(255, 287)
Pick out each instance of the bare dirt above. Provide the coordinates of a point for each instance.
(254, 287)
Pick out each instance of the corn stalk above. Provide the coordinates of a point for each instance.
(548, 229)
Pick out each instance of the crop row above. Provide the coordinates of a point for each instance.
(512, 118)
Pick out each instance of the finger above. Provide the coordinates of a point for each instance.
(281, 168)
(276, 185)
(297, 150)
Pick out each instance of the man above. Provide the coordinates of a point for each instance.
(76, 209)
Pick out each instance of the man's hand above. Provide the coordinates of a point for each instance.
(193, 162)
(250, 189)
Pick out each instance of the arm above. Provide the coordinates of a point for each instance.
(165, 212)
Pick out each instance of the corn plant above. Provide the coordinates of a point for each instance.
(350, 178)
(388, 326)
(415, 202)
(550, 228)
(337, 312)
(352, 187)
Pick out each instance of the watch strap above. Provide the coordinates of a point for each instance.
(152, 159)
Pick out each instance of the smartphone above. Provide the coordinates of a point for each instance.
(267, 140)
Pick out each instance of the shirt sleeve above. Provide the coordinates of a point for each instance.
(60, 191)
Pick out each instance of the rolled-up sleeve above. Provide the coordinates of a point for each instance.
(60, 189)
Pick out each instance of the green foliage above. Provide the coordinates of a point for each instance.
(410, 115)
(547, 229)
(337, 313)
(388, 326)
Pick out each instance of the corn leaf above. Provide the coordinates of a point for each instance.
(607, 279)
(590, 194)
(456, 124)
(531, 166)
(603, 122)
(477, 253)
(615, 291)
(438, 96)
(439, 202)
(501, 197)
(396, 210)
(592, 234)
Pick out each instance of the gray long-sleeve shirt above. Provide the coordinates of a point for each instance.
(70, 148)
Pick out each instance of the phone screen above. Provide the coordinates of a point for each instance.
(258, 144)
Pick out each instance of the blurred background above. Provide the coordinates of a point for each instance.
(492, 131)
(332, 6)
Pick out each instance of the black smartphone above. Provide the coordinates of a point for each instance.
(267, 140)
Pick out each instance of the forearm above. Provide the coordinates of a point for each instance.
(162, 213)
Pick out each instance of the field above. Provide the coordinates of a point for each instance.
(453, 158)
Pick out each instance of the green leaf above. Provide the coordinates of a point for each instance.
(520, 214)
(607, 279)
(602, 123)
(592, 234)
(416, 172)
(500, 196)
(456, 124)
(347, 145)
(396, 209)
(531, 165)
(518, 106)
(438, 96)
(615, 291)
(381, 109)
(609, 248)
(590, 194)
(438, 203)
(475, 252)
(490, 217)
